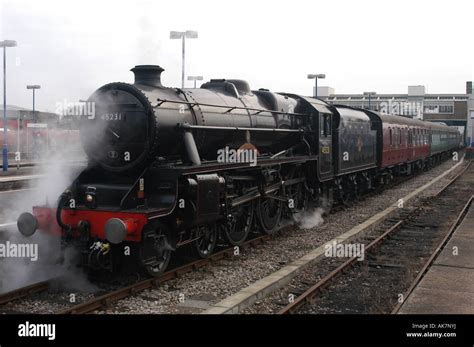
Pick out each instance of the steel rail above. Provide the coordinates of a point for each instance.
(116, 295)
(310, 293)
(24, 291)
(435, 254)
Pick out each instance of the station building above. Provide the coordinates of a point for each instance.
(22, 116)
(40, 133)
(451, 109)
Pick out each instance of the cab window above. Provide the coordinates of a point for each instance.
(325, 125)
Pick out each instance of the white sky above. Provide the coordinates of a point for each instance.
(72, 47)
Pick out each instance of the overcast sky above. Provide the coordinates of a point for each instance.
(72, 47)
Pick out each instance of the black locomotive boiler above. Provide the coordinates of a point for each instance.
(171, 166)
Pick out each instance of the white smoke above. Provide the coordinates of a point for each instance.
(310, 218)
(51, 263)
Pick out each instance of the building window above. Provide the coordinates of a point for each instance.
(446, 109)
(438, 109)
(430, 109)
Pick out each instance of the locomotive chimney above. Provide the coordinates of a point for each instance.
(149, 75)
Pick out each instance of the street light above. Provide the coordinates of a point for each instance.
(183, 35)
(369, 94)
(5, 44)
(195, 78)
(315, 77)
(34, 87)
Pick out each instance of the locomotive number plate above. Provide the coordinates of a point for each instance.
(112, 116)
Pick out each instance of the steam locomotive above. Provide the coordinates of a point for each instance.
(170, 167)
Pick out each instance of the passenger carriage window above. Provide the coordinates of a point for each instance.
(390, 134)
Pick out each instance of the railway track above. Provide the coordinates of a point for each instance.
(24, 292)
(416, 234)
(26, 164)
(109, 298)
(438, 250)
(17, 182)
(104, 300)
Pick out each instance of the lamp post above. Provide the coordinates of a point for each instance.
(35, 118)
(315, 77)
(183, 35)
(195, 78)
(369, 94)
(34, 87)
(5, 44)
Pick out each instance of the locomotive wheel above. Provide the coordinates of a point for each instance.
(205, 244)
(155, 252)
(238, 228)
(269, 211)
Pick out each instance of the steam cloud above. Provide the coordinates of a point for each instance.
(310, 218)
(19, 272)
